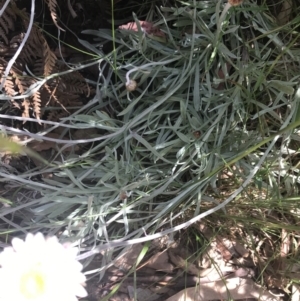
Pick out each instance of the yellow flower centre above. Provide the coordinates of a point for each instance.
(32, 284)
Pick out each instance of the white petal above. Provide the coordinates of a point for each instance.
(80, 291)
(18, 244)
(38, 239)
(29, 238)
(54, 270)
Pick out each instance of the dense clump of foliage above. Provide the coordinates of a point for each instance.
(187, 100)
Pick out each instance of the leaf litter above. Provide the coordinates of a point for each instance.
(220, 268)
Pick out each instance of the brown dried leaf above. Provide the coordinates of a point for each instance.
(240, 249)
(147, 27)
(126, 261)
(160, 262)
(46, 144)
(223, 246)
(234, 288)
(142, 294)
(222, 243)
(181, 263)
(285, 13)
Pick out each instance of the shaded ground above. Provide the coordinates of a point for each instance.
(199, 257)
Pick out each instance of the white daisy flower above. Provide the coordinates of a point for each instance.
(40, 269)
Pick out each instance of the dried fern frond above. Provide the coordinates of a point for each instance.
(17, 84)
(3, 36)
(9, 85)
(38, 53)
(7, 22)
(76, 84)
(52, 4)
(38, 57)
(56, 115)
(21, 85)
(64, 91)
(46, 61)
(49, 59)
(51, 94)
(25, 106)
(36, 104)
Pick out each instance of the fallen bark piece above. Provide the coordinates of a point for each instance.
(235, 288)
